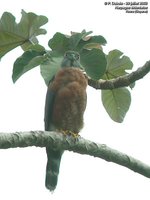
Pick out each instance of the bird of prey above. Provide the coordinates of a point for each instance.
(64, 109)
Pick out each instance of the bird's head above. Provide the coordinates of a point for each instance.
(71, 59)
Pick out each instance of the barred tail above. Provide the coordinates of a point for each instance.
(52, 168)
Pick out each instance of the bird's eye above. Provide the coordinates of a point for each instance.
(77, 56)
(66, 54)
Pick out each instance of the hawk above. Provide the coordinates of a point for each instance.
(64, 109)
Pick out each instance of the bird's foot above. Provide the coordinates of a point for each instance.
(70, 133)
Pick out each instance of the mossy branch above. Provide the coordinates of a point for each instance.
(80, 145)
(122, 81)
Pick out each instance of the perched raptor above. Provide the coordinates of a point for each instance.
(64, 109)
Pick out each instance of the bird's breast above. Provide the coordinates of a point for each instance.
(70, 99)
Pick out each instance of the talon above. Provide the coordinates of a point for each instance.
(65, 133)
(70, 133)
(75, 135)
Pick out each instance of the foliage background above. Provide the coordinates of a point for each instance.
(22, 171)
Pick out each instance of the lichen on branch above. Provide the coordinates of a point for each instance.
(80, 145)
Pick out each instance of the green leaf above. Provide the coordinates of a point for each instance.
(117, 64)
(97, 39)
(91, 42)
(50, 67)
(59, 43)
(94, 63)
(36, 47)
(13, 34)
(116, 103)
(26, 62)
(75, 39)
(30, 24)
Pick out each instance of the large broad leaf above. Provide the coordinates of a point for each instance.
(116, 103)
(94, 63)
(76, 41)
(76, 38)
(13, 34)
(59, 43)
(62, 43)
(26, 62)
(91, 42)
(50, 67)
(117, 64)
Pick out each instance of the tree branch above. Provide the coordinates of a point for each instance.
(80, 145)
(122, 81)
